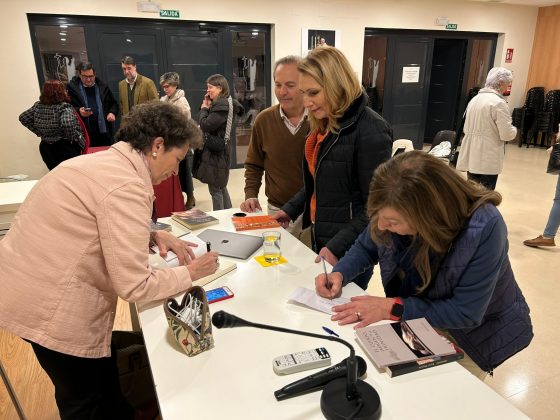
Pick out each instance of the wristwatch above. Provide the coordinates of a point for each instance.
(397, 310)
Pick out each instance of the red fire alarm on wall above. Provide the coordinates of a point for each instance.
(509, 55)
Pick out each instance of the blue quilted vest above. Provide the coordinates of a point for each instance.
(506, 326)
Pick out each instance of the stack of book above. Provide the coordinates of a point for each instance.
(407, 346)
(254, 222)
(194, 219)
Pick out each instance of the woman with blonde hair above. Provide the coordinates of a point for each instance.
(348, 141)
(441, 245)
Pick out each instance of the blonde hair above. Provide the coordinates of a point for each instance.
(332, 71)
(432, 197)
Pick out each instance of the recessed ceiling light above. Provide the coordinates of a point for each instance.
(63, 39)
(64, 26)
(128, 40)
(62, 33)
(254, 33)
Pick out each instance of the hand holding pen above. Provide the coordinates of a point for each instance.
(329, 285)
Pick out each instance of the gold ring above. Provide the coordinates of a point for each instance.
(358, 315)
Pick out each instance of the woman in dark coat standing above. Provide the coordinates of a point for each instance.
(348, 141)
(211, 164)
(54, 120)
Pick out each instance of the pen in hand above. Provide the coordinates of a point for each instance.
(329, 285)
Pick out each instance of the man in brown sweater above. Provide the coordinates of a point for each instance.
(277, 144)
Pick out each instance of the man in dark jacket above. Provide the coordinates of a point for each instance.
(95, 104)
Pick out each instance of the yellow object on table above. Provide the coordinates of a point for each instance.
(260, 259)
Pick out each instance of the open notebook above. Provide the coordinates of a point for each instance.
(156, 261)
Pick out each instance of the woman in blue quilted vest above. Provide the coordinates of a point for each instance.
(442, 248)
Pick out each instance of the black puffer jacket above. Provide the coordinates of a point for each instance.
(345, 166)
(213, 120)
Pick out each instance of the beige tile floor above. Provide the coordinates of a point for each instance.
(530, 380)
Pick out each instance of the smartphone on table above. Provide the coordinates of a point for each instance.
(221, 293)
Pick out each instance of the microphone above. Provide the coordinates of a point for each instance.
(342, 398)
(318, 380)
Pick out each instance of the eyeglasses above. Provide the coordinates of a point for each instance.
(85, 76)
(165, 86)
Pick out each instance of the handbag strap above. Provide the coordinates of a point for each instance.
(229, 120)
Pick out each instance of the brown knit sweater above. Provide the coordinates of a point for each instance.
(277, 152)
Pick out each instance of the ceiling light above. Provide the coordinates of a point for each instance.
(62, 33)
(63, 39)
(64, 26)
(254, 33)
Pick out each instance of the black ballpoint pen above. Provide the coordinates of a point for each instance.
(208, 246)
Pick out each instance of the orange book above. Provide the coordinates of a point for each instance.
(254, 222)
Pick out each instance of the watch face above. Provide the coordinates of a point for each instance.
(397, 310)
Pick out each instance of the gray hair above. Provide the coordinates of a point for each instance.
(498, 75)
(171, 78)
(289, 59)
(127, 59)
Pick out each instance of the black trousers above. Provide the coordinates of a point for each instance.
(84, 388)
(185, 174)
(57, 152)
(488, 181)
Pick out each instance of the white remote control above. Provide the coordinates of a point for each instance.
(303, 360)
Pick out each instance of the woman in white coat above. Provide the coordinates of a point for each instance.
(169, 82)
(487, 127)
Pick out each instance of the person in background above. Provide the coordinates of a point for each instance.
(54, 120)
(79, 241)
(216, 121)
(135, 89)
(348, 141)
(487, 128)
(95, 104)
(442, 250)
(277, 143)
(553, 222)
(169, 82)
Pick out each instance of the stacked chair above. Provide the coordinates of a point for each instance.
(536, 119)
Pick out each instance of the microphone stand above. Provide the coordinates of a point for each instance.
(341, 399)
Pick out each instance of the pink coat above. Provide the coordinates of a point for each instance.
(78, 241)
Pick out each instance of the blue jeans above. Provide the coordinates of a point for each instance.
(554, 217)
(220, 197)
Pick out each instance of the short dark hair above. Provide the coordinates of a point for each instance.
(127, 59)
(219, 81)
(153, 119)
(53, 92)
(84, 65)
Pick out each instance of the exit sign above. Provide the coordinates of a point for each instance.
(452, 26)
(169, 14)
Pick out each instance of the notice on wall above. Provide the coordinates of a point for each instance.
(410, 74)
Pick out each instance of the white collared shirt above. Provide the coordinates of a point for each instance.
(293, 128)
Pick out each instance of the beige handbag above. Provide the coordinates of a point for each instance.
(190, 321)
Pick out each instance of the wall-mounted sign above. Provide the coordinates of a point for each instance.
(452, 26)
(169, 13)
(509, 55)
(410, 74)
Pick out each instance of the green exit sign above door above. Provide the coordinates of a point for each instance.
(173, 14)
(452, 26)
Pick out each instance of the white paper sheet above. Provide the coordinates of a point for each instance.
(173, 261)
(309, 298)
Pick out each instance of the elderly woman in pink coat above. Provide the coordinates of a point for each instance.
(79, 241)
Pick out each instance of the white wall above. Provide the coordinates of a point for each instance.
(19, 88)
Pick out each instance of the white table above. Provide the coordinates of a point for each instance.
(235, 379)
(12, 194)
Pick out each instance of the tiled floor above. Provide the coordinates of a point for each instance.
(531, 379)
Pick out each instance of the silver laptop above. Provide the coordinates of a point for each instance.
(231, 244)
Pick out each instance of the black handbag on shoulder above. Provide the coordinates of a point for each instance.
(553, 166)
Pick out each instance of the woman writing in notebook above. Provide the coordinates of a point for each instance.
(79, 241)
(441, 245)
